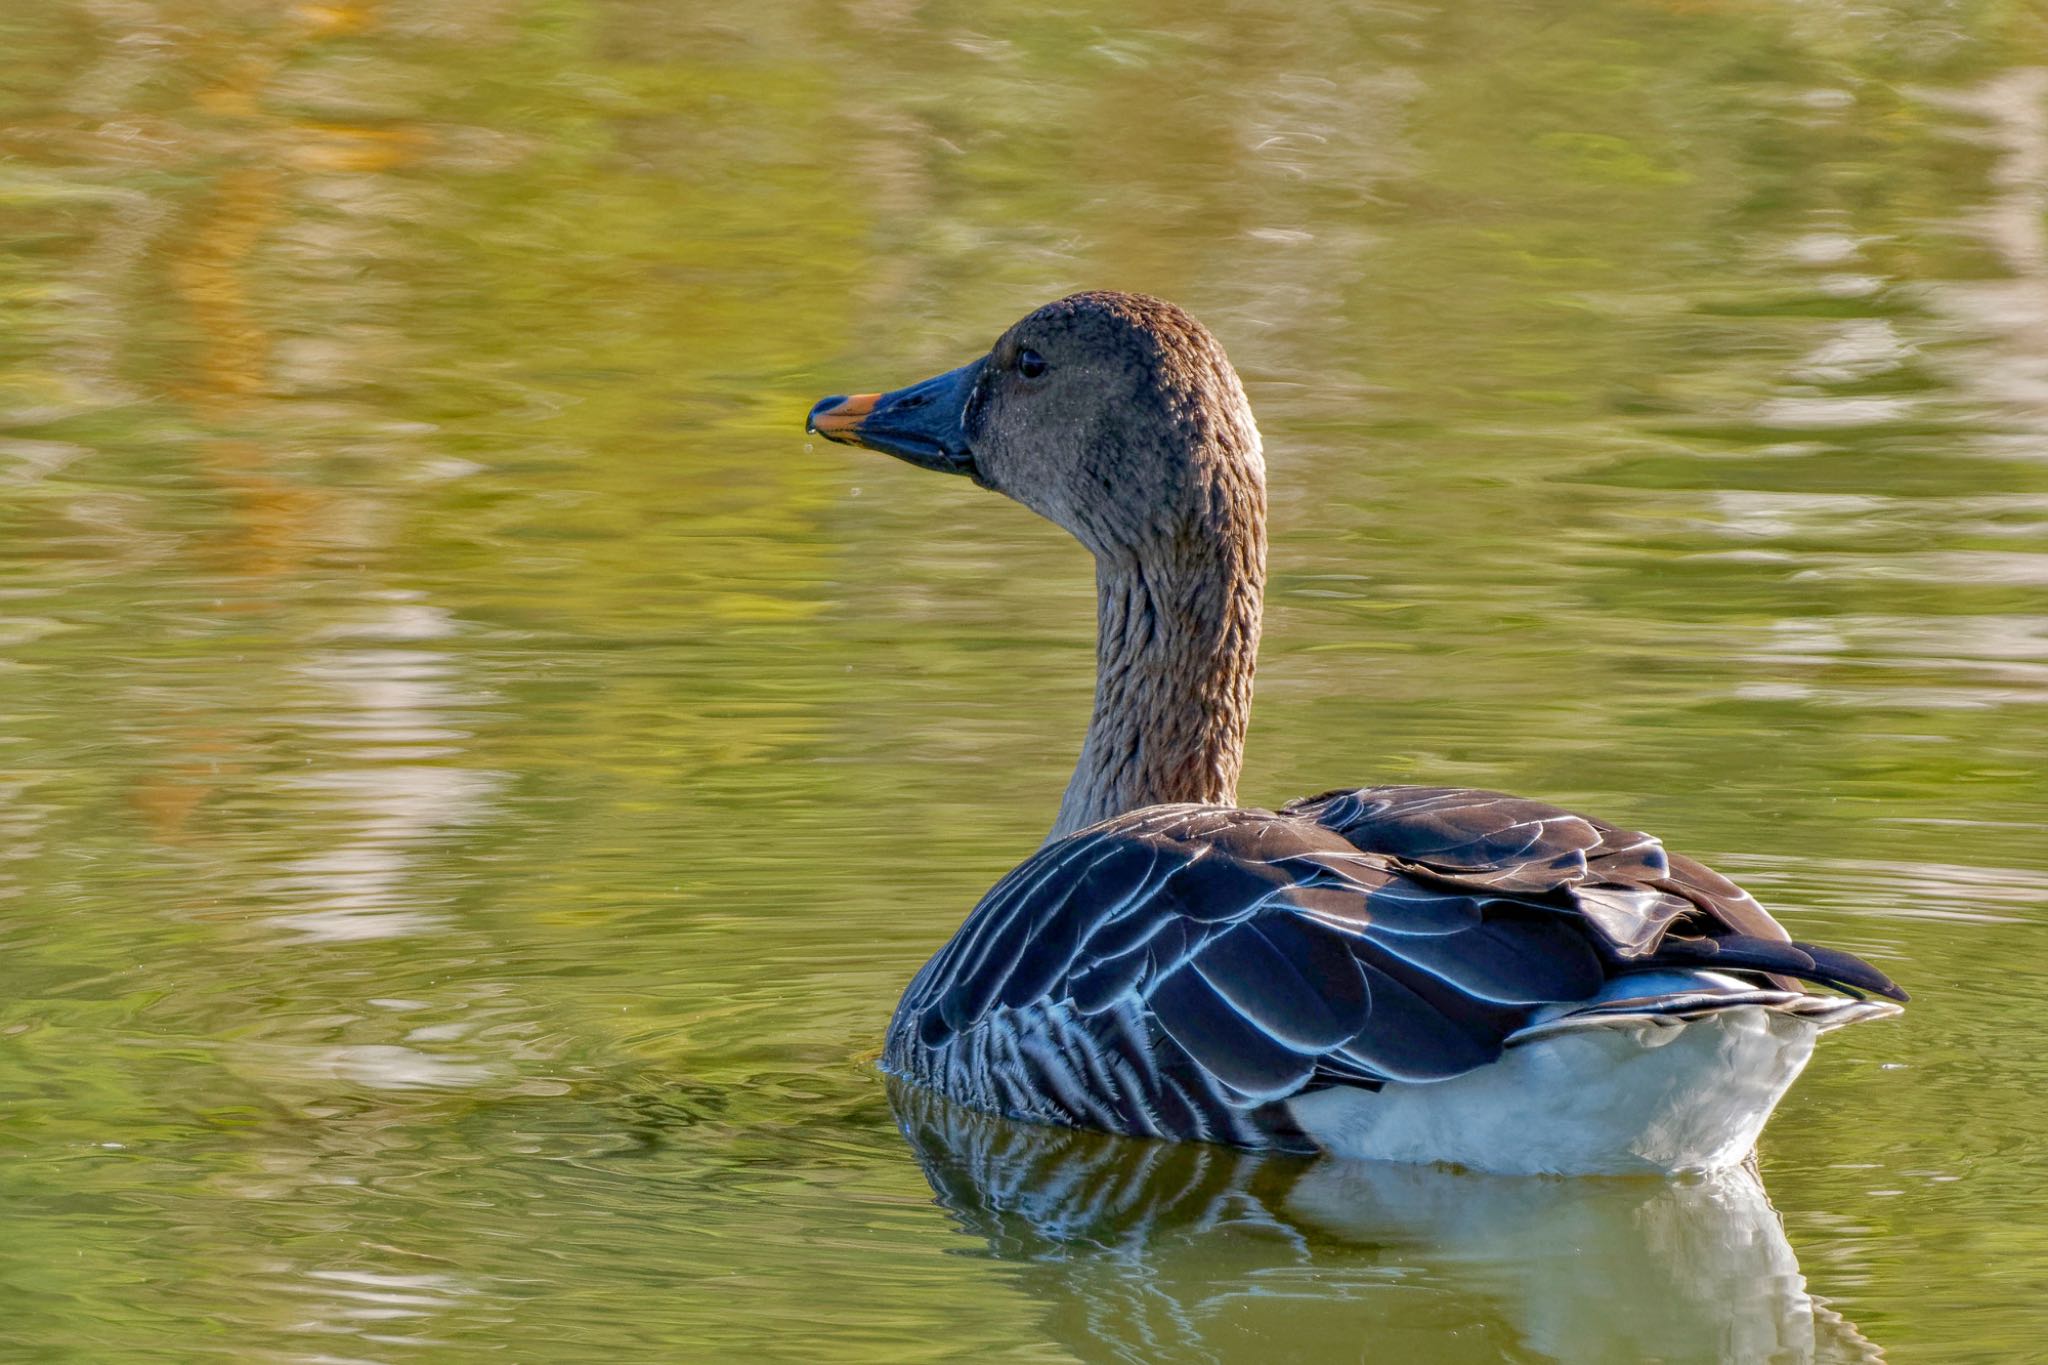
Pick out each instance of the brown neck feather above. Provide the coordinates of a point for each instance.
(1177, 640)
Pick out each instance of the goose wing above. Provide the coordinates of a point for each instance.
(1641, 905)
(1182, 969)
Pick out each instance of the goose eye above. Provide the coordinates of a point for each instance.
(1031, 364)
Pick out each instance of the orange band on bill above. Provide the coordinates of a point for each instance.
(840, 423)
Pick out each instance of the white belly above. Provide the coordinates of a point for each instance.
(1688, 1096)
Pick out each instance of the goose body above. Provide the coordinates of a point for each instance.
(1403, 973)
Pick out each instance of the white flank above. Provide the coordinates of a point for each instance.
(1649, 1096)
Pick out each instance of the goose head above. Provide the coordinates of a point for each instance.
(1115, 416)
(1119, 418)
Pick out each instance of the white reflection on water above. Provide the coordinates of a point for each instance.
(2008, 368)
(2005, 370)
(1892, 889)
(355, 1302)
(1971, 662)
(1852, 351)
(24, 462)
(383, 1066)
(382, 803)
(1812, 412)
(1861, 348)
(1144, 1251)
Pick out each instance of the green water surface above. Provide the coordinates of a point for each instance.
(474, 777)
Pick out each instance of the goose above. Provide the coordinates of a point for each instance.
(1398, 973)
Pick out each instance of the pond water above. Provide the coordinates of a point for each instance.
(474, 777)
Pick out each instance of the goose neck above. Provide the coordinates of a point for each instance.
(1177, 638)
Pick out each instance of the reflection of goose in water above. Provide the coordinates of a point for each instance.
(1409, 973)
(1177, 1251)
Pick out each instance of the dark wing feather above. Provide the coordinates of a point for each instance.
(1511, 959)
(1176, 970)
(1809, 961)
(1412, 1036)
(1640, 901)
(1229, 1046)
(1296, 983)
(1729, 903)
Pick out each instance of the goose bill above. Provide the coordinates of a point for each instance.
(924, 424)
